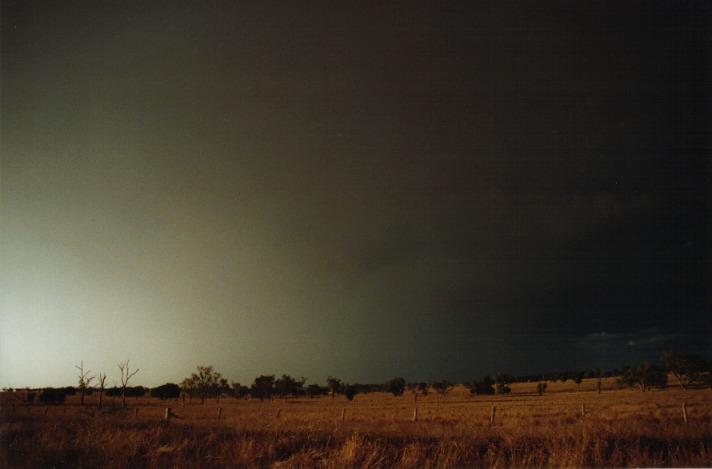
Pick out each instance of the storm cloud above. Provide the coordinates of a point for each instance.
(357, 190)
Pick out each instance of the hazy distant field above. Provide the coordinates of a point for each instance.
(620, 428)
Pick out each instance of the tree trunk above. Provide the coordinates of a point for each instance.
(679, 380)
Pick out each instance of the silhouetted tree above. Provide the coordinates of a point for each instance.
(314, 390)
(501, 383)
(484, 387)
(166, 391)
(126, 375)
(334, 385)
(540, 388)
(204, 383)
(239, 391)
(84, 380)
(102, 387)
(136, 391)
(223, 388)
(442, 386)
(684, 366)
(350, 391)
(395, 386)
(189, 386)
(646, 376)
(263, 387)
(288, 386)
(418, 389)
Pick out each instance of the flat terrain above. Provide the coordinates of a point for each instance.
(569, 426)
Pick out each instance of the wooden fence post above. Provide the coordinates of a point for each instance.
(167, 415)
(494, 411)
(684, 411)
(343, 414)
(583, 410)
(279, 412)
(219, 413)
(415, 414)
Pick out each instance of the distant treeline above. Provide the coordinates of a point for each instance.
(59, 395)
(688, 370)
(564, 376)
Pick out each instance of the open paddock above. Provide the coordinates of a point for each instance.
(568, 426)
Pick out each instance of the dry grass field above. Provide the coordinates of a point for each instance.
(617, 428)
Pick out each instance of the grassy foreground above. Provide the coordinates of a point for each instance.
(569, 426)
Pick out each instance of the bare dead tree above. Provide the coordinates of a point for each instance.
(84, 380)
(125, 377)
(102, 387)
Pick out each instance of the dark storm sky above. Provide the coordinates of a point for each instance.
(431, 190)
